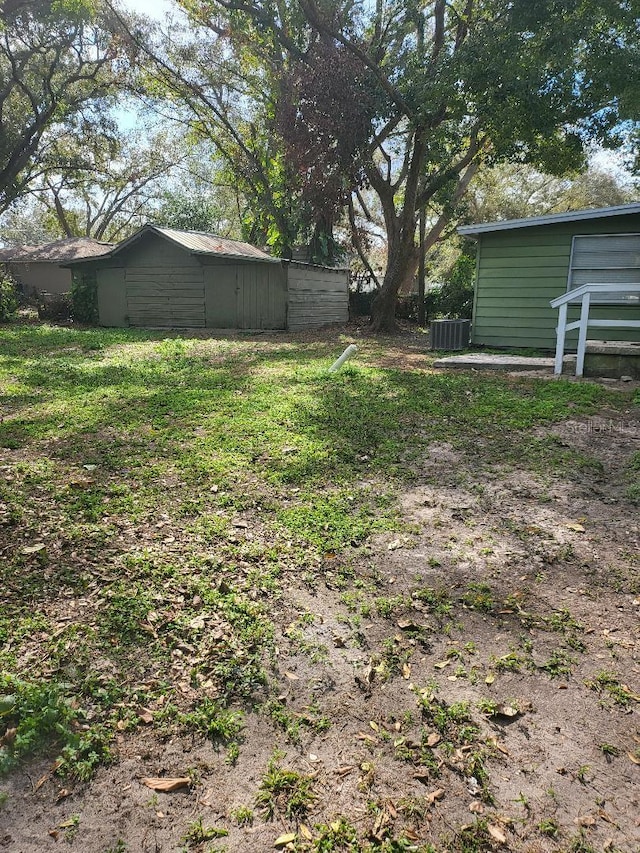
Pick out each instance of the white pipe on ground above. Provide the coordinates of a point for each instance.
(350, 351)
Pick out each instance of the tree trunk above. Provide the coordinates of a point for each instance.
(400, 268)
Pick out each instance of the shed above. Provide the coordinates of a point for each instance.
(522, 264)
(166, 278)
(37, 269)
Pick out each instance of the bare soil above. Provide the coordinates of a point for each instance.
(557, 560)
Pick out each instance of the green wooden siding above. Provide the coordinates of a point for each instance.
(165, 297)
(112, 298)
(520, 270)
(244, 295)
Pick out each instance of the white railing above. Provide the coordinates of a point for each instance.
(582, 294)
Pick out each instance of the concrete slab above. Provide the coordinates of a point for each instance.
(623, 348)
(486, 361)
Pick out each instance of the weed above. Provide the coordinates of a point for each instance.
(42, 718)
(558, 664)
(488, 707)
(609, 749)
(387, 606)
(413, 808)
(284, 792)
(550, 827)
(582, 773)
(579, 844)
(478, 596)
(337, 835)
(242, 815)
(453, 721)
(212, 720)
(233, 753)
(511, 662)
(198, 833)
(608, 684)
(436, 601)
(119, 847)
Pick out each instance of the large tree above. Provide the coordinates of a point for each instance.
(454, 83)
(61, 61)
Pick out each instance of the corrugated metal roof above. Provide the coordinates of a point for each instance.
(550, 219)
(60, 251)
(198, 243)
(202, 243)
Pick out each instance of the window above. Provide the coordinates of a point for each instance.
(606, 259)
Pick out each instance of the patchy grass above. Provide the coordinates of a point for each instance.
(165, 501)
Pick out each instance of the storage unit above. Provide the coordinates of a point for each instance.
(165, 278)
(523, 264)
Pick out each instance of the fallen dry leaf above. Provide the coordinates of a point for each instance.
(167, 784)
(433, 739)
(634, 758)
(292, 676)
(407, 625)
(506, 711)
(33, 549)
(305, 832)
(285, 839)
(585, 820)
(365, 736)
(476, 807)
(145, 715)
(431, 798)
(579, 528)
(496, 833)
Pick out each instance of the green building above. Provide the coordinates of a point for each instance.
(522, 264)
(166, 278)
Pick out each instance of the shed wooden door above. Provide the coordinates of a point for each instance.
(171, 297)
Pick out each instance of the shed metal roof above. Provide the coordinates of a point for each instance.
(197, 243)
(60, 251)
(550, 219)
(202, 243)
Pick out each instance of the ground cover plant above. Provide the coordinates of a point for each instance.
(247, 603)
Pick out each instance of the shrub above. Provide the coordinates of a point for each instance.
(84, 297)
(54, 306)
(8, 296)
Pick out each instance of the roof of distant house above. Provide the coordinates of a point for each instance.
(197, 243)
(551, 219)
(60, 251)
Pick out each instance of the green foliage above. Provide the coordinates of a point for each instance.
(608, 684)
(284, 792)
(8, 296)
(198, 833)
(454, 298)
(60, 63)
(40, 717)
(633, 490)
(84, 297)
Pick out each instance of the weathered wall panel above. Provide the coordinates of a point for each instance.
(165, 296)
(521, 270)
(41, 276)
(317, 296)
(112, 298)
(244, 295)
